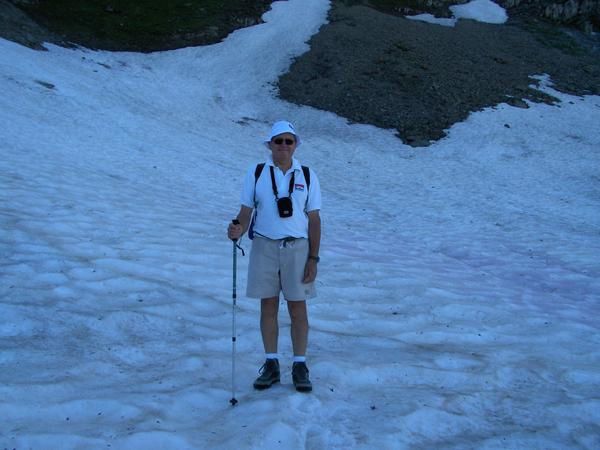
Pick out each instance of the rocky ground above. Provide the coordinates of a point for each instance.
(419, 78)
(378, 68)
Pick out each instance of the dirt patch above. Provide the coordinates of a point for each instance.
(419, 78)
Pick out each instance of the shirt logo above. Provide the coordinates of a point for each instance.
(299, 187)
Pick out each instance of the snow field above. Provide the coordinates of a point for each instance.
(458, 288)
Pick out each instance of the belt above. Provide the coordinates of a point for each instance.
(283, 243)
(287, 239)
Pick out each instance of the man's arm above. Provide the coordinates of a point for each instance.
(314, 244)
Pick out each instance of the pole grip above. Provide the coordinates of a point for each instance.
(235, 222)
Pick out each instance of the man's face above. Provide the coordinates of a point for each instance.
(283, 146)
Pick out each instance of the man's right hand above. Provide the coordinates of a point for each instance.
(237, 225)
(234, 231)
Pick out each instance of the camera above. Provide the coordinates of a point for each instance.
(284, 206)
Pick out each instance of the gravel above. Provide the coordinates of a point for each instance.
(421, 78)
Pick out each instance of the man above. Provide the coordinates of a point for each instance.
(285, 248)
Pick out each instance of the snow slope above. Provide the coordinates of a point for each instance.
(485, 11)
(458, 290)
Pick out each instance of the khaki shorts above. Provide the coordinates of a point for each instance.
(278, 266)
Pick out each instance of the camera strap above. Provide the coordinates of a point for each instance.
(275, 185)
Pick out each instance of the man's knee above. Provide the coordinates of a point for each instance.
(297, 310)
(269, 307)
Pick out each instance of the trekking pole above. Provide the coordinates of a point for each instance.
(233, 400)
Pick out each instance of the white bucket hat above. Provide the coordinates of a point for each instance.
(280, 127)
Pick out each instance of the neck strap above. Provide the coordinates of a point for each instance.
(275, 186)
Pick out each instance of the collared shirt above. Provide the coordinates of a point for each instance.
(304, 199)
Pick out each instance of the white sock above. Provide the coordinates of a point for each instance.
(272, 356)
(299, 358)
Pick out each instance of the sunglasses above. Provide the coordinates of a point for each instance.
(280, 141)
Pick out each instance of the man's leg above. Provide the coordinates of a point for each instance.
(269, 328)
(299, 331)
(299, 317)
(269, 324)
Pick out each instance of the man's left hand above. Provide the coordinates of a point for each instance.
(310, 271)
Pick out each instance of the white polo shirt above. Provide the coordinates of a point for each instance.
(267, 222)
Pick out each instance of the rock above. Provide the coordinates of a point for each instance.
(16, 26)
(583, 14)
(518, 103)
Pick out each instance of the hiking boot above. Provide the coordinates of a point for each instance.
(269, 374)
(300, 377)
